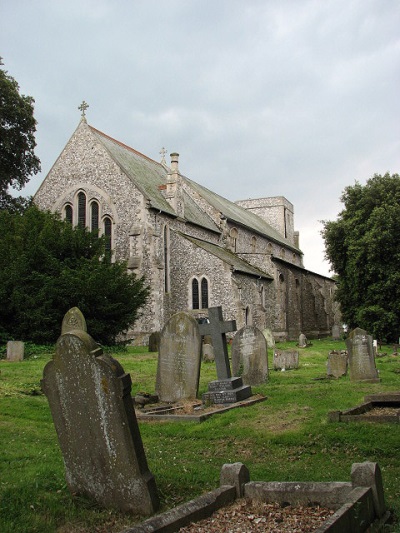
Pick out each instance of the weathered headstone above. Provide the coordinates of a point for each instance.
(225, 389)
(15, 351)
(73, 320)
(249, 356)
(154, 341)
(179, 357)
(269, 337)
(361, 356)
(286, 359)
(337, 364)
(302, 341)
(336, 332)
(90, 401)
(207, 352)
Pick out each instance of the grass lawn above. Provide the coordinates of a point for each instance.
(285, 438)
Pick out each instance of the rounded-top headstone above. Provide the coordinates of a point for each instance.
(73, 320)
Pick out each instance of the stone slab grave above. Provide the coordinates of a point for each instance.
(250, 356)
(337, 364)
(286, 359)
(381, 408)
(356, 506)
(179, 358)
(90, 401)
(225, 389)
(361, 357)
(15, 351)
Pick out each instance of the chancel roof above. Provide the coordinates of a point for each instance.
(237, 264)
(150, 176)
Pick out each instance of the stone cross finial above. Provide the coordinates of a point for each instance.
(83, 107)
(217, 329)
(163, 153)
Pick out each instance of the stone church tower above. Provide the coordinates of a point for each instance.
(195, 248)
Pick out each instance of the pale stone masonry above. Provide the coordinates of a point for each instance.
(195, 248)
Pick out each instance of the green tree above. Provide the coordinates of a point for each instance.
(17, 141)
(47, 266)
(363, 247)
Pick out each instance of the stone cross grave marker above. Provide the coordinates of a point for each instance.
(179, 358)
(90, 401)
(249, 356)
(226, 389)
(361, 357)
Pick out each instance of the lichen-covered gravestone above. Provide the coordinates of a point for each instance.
(179, 357)
(361, 357)
(249, 356)
(90, 401)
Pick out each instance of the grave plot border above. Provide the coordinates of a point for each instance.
(359, 413)
(166, 412)
(359, 505)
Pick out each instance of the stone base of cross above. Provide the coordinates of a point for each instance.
(226, 389)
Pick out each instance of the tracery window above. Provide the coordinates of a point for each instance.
(199, 293)
(204, 293)
(195, 294)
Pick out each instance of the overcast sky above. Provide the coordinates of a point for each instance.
(294, 98)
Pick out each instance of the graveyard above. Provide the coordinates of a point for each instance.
(288, 437)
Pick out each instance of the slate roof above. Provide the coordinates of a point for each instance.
(237, 264)
(148, 176)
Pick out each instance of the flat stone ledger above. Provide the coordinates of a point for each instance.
(361, 357)
(224, 391)
(179, 359)
(90, 400)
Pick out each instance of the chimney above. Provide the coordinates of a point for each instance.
(174, 163)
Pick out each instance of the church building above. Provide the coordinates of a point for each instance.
(195, 248)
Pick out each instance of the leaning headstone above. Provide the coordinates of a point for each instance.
(336, 332)
(179, 357)
(154, 341)
(361, 357)
(269, 338)
(286, 359)
(90, 401)
(249, 356)
(15, 351)
(337, 364)
(302, 341)
(225, 389)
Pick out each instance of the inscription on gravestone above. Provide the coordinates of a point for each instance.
(179, 358)
(361, 356)
(249, 356)
(90, 401)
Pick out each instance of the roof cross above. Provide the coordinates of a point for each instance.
(83, 107)
(163, 152)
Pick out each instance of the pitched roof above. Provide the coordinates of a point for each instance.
(149, 176)
(237, 264)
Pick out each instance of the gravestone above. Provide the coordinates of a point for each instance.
(73, 320)
(179, 357)
(337, 364)
(302, 341)
(336, 333)
(361, 357)
(225, 389)
(15, 351)
(154, 341)
(269, 338)
(90, 401)
(249, 356)
(286, 359)
(207, 352)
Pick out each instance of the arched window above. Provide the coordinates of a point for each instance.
(262, 296)
(195, 294)
(68, 213)
(166, 259)
(248, 318)
(94, 216)
(108, 236)
(233, 235)
(82, 209)
(204, 293)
